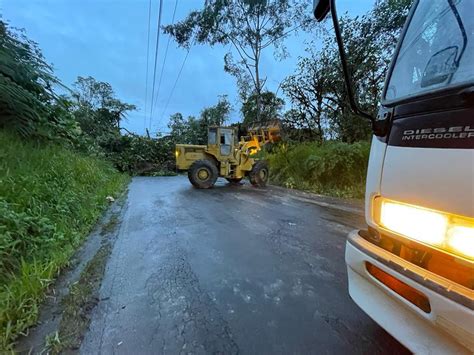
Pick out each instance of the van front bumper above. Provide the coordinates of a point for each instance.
(447, 328)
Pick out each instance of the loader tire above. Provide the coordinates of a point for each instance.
(203, 174)
(259, 174)
(234, 180)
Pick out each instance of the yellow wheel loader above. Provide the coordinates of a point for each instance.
(225, 156)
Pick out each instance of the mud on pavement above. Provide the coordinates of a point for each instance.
(66, 312)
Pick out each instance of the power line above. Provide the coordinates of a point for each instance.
(166, 54)
(156, 59)
(175, 83)
(147, 62)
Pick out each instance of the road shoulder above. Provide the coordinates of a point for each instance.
(65, 313)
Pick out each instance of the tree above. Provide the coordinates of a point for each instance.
(96, 108)
(179, 128)
(317, 89)
(308, 90)
(28, 103)
(270, 108)
(194, 130)
(250, 26)
(215, 115)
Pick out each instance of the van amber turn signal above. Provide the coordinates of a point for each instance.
(452, 233)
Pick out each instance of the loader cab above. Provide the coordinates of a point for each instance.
(221, 141)
(412, 268)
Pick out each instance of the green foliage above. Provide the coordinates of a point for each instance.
(50, 197)
(317, 89)
(216, 115)
(194, 130)
(100, 114)
(138, 155)
(270, 107)
(333, 168)
(28, 103)
(96, 108)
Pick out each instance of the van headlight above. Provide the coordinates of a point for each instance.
(449, 232)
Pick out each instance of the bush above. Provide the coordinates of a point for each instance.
(333, 168)
(50, 197)
(138, 155)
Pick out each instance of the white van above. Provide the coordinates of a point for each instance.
(412, 270)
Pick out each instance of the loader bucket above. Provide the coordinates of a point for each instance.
(266, 132)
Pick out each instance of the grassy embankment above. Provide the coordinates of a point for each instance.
(50, 197)
(332, 168)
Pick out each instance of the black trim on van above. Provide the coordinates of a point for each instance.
(445, 120)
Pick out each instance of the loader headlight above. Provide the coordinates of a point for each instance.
(439, 229)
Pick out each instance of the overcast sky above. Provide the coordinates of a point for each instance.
(107, 39)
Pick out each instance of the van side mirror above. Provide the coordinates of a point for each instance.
(321, 9)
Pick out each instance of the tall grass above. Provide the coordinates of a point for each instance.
(50, 197)
(332, 168)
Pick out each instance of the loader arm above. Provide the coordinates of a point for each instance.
(259, 135)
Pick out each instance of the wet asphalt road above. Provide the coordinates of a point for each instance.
(229, 270)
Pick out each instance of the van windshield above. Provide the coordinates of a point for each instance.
(437, 50)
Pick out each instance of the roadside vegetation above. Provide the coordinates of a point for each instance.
(55, 178)
(326, 146)
(333, 168)
(50, 199)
